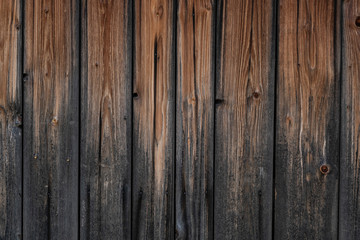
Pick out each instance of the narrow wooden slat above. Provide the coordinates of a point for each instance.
(244, 120)
(51, 112)
(154, 120)
(10, 119)
(106, 120)
(195, 120)
(307, 136)
(349, 219)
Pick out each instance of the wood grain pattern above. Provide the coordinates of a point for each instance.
(106, 120)
(195, 119)
(10, 119)
(51, 113)
(154, 120)
(349, 219)
(179, 119)
(307, 136)
(244, 120)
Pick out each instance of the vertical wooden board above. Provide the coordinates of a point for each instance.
(154, 120)
(349, 219)
(106, 120)
(51, 113)
(307, 131)
(195, 119)
(244, 120)
(10, 119)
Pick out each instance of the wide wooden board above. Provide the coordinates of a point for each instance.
(10, 119)
(244, 119)
(153, 120)
(106, 97)
(349, 202)
(195, 119)
(307, 122)
(51, 119)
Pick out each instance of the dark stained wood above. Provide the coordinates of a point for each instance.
(51, 113)
(349, 219)
(307, 135)
(106, 120)
(179, 119)
(195, 119)
(10, 119)
(244, 120)
(153, 121)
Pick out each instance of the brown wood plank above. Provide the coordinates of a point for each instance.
(106, 120)
(10, 119)
(154, 120)
(244, 120)
(349, 212)
(195, 119)
(51, 113)
(307, 138)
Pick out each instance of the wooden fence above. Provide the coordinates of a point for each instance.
(186, 119)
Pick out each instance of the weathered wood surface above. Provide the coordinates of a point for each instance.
(51, 119)
(10, 119)
(307, 122)
(180, 119)
(244, 120)
(195, 119)
(153, 121)
(106, 120)
(349, 212)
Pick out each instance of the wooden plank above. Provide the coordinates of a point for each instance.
(349, 219)
(195, 119)
(10, 119)
(307, 135)
(154, 120)
(106, 120)
(51, 112)
(244, 120)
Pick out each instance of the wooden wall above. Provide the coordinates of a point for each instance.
(179, 119)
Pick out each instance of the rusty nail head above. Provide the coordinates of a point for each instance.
(324, 169)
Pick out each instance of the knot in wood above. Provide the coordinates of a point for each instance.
(357, 21)
(54, 121)
(256, 94)
(159, 11)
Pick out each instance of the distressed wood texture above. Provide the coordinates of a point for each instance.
(51, 112)
(349, 219)
(154, 120)
(179, 119)
(244, 120)
(307, 135)
(106, 120)
(195, 119)
(10, 119)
